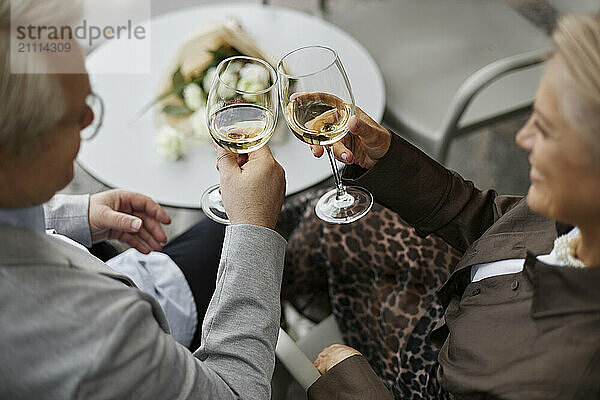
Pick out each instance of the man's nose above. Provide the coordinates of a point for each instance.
(88, 118)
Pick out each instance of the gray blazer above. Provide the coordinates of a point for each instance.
(72, 328)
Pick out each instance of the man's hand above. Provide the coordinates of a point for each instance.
(252, 186)
(333, 355)
(129, 217)
(366, 141)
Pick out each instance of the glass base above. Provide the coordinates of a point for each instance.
(354, 205)
(212, 205)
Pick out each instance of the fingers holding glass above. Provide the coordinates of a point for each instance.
(241, 116)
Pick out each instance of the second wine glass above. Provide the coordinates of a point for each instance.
(241, 114)
(317, 102)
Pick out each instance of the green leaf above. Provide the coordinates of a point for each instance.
(176, 110)
(178, 83)
(222, 53)
(177, 78)
(160, 98)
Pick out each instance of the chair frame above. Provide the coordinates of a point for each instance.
(450, 128)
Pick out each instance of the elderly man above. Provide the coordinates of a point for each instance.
(70, 326)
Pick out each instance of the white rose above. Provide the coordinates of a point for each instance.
(250, 86)
(230, 79)
(170, 143)
(255, 73)
(235, 67)
(193, 97)
(208, 78)
(198, 122)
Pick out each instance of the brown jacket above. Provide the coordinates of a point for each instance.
(531, 335)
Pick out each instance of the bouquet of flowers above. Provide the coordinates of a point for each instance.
(181, 112)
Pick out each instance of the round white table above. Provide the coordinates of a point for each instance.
(124, 154)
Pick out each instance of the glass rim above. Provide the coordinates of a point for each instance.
(335, 59)
(263, 62)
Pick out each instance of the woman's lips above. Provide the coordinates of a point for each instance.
(535, 176)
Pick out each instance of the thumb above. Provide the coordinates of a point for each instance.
(362, 125)
(357, 127)
(122, 222)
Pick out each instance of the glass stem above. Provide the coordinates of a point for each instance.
(341, 190)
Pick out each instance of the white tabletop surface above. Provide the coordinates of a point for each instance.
(124, 155)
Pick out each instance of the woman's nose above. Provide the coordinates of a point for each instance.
(526, 136)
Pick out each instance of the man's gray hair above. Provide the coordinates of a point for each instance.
(31, 103)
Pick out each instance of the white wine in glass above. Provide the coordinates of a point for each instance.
(241, 116)
(319, 118)
(317, 102)
(241, 128)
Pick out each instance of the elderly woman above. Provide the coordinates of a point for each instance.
(73, 328)
(522, 305)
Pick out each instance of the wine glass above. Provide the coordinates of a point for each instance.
(317, 103)
(241, 114)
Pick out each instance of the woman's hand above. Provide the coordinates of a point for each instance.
(129, 217)
(365, 143)
(333, 355)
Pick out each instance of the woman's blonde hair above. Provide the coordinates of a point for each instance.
(577, 44)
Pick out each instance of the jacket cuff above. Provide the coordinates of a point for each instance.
(272, 237)
(68, 215)
(351, 379)
(405, 180)
(354, 173)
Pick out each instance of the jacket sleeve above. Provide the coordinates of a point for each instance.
(351, 379)
(236, 360)
(428, 196)
(68, 215)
